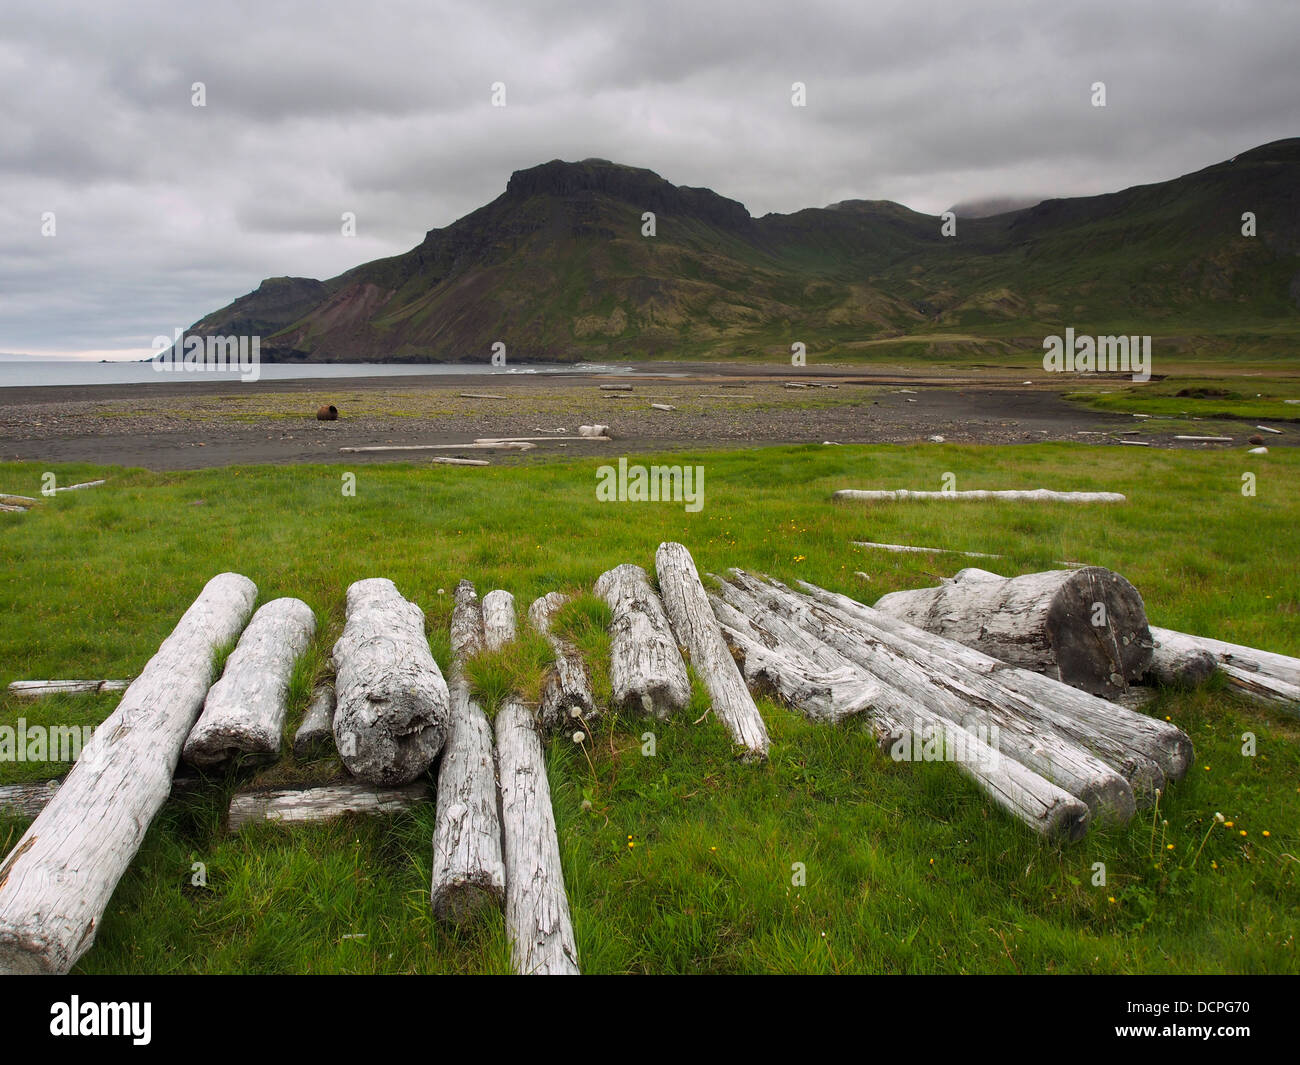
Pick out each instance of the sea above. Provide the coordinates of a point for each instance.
(30, 373)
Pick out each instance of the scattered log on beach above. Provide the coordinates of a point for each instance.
(498, 619)
(933, 684)
(306, 805)
(536, 906)
(468, 869)
(1036, 495)
(646, 670)
(696, 629)
(1262, 676)
(903, 548)
(566, 689)
(392, 702)
(481, 395)
(446, 460)
(1147, 752)
(315, 736)
(1205, 439)
(505, 445)
(616, 388)
(1086, 627)
(243, 715)
(35, 689)
(594, 432)
(662, 406)
(57, 880)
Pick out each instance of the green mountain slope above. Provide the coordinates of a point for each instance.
(557, 269)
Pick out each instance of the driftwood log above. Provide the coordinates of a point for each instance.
(498, 619)
(392, 702)
(537, 908)
(646, 670)
(243, 715)
(57, 880)
(1035, 495)
(1263, 676)
(1085, 627)
(566, 689)
(315, 736)
(35, 689)
(1149, 753)
(468, 870)
(909, 730)
(322, 804)
(933, 684)
(696, 629)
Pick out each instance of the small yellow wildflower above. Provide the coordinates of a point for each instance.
(1265, 833)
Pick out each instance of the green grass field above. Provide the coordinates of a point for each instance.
(684, 861)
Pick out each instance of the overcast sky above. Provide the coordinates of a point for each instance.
(165, 211)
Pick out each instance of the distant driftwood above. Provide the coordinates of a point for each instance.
(1036, 495)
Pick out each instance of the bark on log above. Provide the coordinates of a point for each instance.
(244, 712)
(315, 736)
(937, 685)
(696, 629)
(1036, 495)
(1147, 752)
(56, 882)
(566, 689)
(646, 670)
(537, 908)
(498, 619)
(1263, 676)
(393, 705)
(903, 724)
(323, 804)
(35, 689)
(468, 869)
(1046, 622)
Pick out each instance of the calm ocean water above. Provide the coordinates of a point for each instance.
(32, 372)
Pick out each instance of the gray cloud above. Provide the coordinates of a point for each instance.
(166, 211)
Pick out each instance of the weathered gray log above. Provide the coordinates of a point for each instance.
(646, 670)
(303, 806)
(1148, 752)
(828, 695)
(468, 869)
(1085, 627)
(594, 432)
(905, 549)
(315, 736)
(393, 705)
(943, 689)
(57, 880)
(566, 689)
(507, 445)
(1180, 664)
(696, 629)
(35, 689)
(244, 712)
(27, 800)
(498, 619)
(903, 724)
(616, 388)
(1263, 676)
(537, 908)
(1035, 495)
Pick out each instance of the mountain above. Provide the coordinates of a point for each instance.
(993, 205)
(557, 269)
